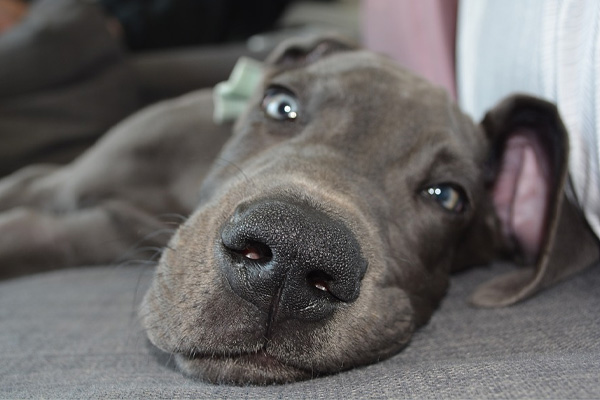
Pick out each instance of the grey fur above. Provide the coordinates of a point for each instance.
(370, 137)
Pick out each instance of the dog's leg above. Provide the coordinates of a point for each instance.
(41, 241)
(95, 209)
(22, 187)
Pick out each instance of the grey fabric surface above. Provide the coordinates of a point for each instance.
(75, 334)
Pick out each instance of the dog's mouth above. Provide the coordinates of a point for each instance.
(275, 296)
(242, 368)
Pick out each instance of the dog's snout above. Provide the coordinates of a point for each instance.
(291, 260)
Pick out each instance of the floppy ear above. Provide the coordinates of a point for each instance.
(297, 52)
(541, 228)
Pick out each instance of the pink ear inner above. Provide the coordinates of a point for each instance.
(521, 192)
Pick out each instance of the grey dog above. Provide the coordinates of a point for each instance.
(325, 231)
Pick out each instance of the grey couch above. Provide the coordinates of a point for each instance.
(76, 334)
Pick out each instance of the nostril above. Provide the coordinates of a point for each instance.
(254, 251)
(257, 251)
(290, 259)
(319, 280)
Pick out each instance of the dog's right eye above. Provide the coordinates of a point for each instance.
(450, 197)
(280, 104)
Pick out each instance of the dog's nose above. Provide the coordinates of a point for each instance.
(291, 260)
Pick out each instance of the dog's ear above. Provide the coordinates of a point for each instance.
(297, 52)
(541, 229)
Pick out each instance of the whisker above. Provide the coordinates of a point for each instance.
(240, 172)
(238, 169)
(137, 262)
(178, 217)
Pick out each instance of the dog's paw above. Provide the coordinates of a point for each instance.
(26, 187)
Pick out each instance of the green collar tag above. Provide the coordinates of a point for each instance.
(231, 97)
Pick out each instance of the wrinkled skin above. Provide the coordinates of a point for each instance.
(368, 140)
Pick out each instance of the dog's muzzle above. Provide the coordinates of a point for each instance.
(290, 260)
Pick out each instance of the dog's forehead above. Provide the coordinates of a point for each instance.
(380, 68)
(383, 114)
(350, 61)
(370, 81)
(373, 93)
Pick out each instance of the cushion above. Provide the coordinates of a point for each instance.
(76, 334)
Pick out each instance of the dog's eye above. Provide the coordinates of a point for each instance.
(280, 104)
(450, 197)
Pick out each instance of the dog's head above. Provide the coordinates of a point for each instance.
(331, 221)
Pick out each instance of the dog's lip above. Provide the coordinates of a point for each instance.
(255, 368)
(260, 358)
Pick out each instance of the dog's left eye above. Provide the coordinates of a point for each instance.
(280, 104)
(450, 197)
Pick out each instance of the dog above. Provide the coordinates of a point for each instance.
(325, 231)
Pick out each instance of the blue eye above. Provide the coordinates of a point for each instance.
(450, 197)
(280, 104)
